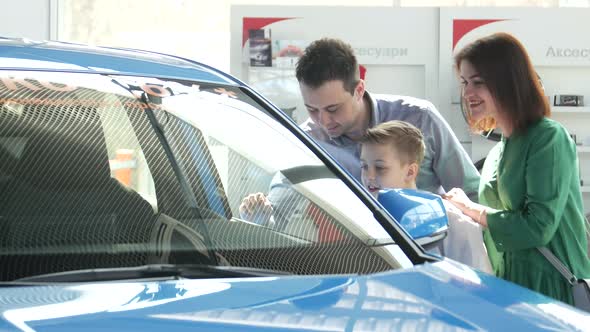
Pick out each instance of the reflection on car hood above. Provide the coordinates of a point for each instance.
(440, 296)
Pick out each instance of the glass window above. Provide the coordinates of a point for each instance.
(108, 171)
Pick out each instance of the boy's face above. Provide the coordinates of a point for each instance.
(382, 168)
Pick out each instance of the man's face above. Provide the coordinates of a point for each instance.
(334, 108)
(382, 168)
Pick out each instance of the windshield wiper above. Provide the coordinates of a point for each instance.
(151, 271)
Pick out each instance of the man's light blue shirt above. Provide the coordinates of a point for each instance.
(446, 163)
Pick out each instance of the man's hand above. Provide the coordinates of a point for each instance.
(256, 208)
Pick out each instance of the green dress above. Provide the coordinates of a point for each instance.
(532, 182)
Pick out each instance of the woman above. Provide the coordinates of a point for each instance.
(529, 192)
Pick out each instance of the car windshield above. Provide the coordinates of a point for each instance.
(106, 171)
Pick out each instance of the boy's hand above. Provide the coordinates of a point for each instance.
(256, 208)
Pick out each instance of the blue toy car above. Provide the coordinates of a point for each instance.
(122, 174)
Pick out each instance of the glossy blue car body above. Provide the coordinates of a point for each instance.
(443, 295)
(440, 296)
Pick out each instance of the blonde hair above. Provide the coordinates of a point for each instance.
(405, 138)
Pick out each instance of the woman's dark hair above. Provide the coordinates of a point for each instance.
(328, 59)
(503, 63)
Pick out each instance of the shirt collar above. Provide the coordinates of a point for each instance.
(374, 109)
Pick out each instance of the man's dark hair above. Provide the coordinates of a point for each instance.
(503, 63)
(328, 59)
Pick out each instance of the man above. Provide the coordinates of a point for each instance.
(341, 110)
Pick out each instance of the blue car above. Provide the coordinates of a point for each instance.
(122, 177)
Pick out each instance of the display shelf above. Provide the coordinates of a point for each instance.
(583, 149)
(570, 109)
(585, 189)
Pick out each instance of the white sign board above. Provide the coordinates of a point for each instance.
(397, 61)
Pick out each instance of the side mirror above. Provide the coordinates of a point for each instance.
(420, 213)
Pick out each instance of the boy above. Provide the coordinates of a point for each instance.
(391, 153)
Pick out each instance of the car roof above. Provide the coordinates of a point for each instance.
(24, 54)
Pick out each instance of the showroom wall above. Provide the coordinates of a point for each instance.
(29, 18)
(200, 29)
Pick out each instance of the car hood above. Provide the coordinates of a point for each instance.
(440, 296)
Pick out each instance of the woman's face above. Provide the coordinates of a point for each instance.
(476, 94)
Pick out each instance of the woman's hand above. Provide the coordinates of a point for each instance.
(459, 199)
(476, 211)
